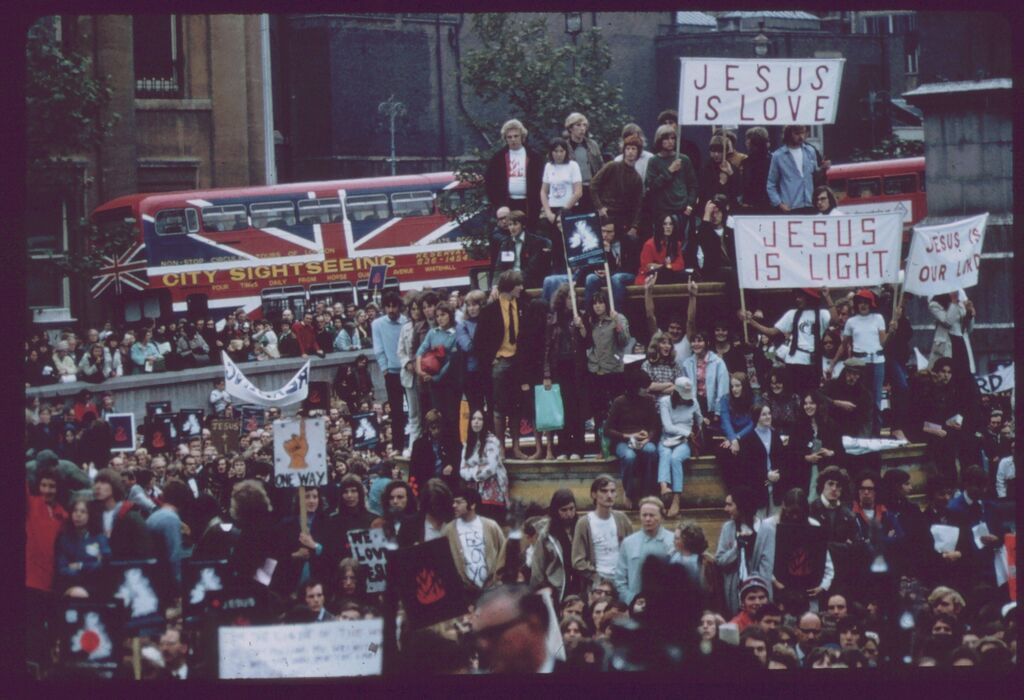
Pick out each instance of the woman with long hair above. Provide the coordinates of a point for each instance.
(813, 441)
(482, 468)
(785, 404)
(661, 365)
(734, 414)
(762, 459)
(662, 254)
(734, 555)
(711, 252)
(81, 549)
(551, 562)
(565, 364)
(607, 334)
(93, 366)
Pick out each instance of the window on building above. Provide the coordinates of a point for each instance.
(320, 211)
(868, 187)
(367, 207)
(901, 184)
(913, 62)
(413, 203)
(157, 49)
(46, 228)
(272, 214)
(230, 217)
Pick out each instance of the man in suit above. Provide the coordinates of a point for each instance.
(792, 171)
(513, 175)
(495, 341)
(522, 251)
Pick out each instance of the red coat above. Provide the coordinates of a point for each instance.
(42, 525)
(742, 621)
(650, 255)
(306, 336)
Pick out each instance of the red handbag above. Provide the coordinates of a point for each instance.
(432, 360)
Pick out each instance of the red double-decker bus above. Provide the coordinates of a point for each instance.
(263, 249)
(882, 186)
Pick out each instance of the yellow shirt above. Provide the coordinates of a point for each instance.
(507, 349)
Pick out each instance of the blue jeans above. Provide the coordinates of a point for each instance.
(635, 467)
(670, 465)
(619, 282)
(551, 285)
(898, 388)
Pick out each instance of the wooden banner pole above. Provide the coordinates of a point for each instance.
(743, 308)
(608, 281)
(137, 658)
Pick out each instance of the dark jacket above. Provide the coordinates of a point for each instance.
(325, 531)
(535, 260)
(618, 187)
(840, 525)
(714, 257)
(422, 462)
(490, 331)
(129, 538)
(753, 461)
(710, 184)
(496, 181)
(754, 183)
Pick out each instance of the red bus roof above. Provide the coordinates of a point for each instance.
(877, 167)
(133, 200)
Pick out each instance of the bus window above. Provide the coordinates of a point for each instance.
(230, 217)
(900, 184)
(272, 214)
(365, 207)
(838, 187)
(413, 203)
(170, 222)
(870, 187)
(275, 301)
(331, 292)
(320, 211)
(193, 220)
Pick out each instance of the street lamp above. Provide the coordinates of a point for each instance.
(392, 109)
(573, 27)
(761, 45)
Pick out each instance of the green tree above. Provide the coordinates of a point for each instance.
(517, 65)
(66, 108)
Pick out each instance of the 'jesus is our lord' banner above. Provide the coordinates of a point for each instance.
(775, 252)
(946, 257)
(777, 91)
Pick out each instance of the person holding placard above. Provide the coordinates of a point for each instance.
(671, 180)
(792, 171)
(607, 334)
(310, 552)
(615, 258)
(804, 327)
(565, 364)
(561, 189)
(712, 252)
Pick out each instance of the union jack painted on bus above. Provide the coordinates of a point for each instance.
(128, 268)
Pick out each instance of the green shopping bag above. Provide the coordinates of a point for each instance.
(548, 411)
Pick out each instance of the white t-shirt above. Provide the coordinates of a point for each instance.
(430, 532)
(516, 165)
(560, 178)
(471, 539)
(805, 341)
(864, 331)
(798, 156)
(605, 537)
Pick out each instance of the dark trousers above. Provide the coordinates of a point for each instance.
(604, 388)
(477, 386)
(572, 438)
(396, 395)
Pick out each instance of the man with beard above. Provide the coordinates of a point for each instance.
(551, 564)
(596, 538)
(399, 507)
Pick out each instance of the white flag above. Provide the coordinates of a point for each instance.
(240, 387)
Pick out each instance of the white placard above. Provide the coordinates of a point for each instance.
(752, 91)
(313, 650)
(236, 384)
(777, 252)
(368, 547)
(997, 381)
(300, 452)
(945, 258)
(862, 446)
(945, 537)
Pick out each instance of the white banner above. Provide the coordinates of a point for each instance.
(903, 207)
(861, 446)
(945, 258)
(300, 452)
(240, 387)
(766, 91)
(776, 252)
(996, 382)
(313, 650)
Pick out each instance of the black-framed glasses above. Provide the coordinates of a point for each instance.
(602, 591)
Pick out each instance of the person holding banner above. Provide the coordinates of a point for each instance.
(792, 171)
(805, 326)
(561, 189)
(309, 552)
(671, 180)
(954, 320)
(712, 252)
(718, 176)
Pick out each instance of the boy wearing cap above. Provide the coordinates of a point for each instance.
(680, 416)
(753, 594)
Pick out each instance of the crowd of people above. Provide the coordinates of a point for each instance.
(823, 560)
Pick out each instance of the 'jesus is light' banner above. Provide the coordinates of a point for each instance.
(775, 91)
(774, 252)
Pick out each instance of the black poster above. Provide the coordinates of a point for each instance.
(583, 244)
(427, 583)
(143, 588)
(365, 431)
(200, 579)
(253, 418)
(799, 555)
(91, 634)
(161, 433)
(190, 423)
